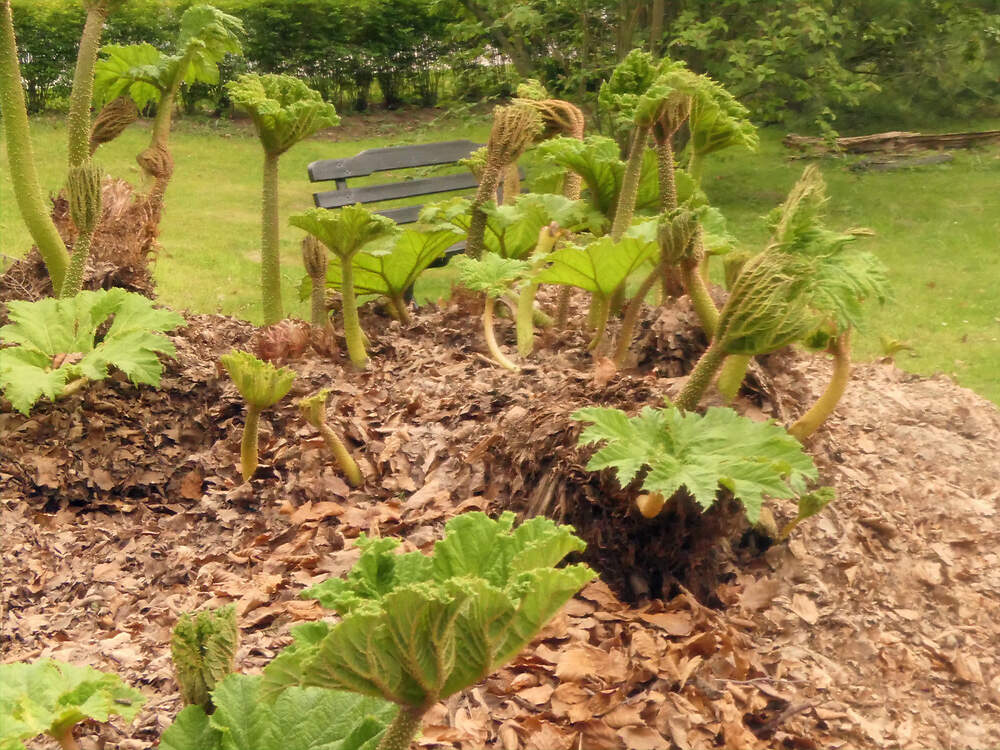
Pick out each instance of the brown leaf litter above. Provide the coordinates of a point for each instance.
(874, 627)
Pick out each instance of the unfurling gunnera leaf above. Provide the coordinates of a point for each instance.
(297, 719)
(203, 647)
(418, 628)
(260, 383)
(54, 342)
(673, 449)
(51, 697)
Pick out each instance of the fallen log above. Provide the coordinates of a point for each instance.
(893, 142)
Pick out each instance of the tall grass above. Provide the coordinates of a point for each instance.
(937, 228)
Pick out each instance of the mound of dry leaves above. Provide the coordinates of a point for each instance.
(874, 627)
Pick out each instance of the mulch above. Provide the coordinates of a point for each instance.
(875, 626)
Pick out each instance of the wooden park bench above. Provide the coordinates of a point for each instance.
(375, 160)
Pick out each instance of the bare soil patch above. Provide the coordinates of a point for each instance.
(875, 627)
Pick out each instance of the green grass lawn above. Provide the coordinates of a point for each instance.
(937, 228)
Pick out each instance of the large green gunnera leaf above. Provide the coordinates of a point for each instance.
(599, 267)
(674, 449)
(50, 697)
(418, 628)
(297, 719)
(55, 341)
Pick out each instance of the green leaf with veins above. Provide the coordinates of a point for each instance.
(390, 272)
(596, 160)
(492, 275)
(297, 718)
(346, 231)
(51, 697)
(56, 342)
(417, 629)
(672, 449)
(599, 267)
(284, 109)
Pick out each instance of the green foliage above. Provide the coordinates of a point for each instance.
(206, 35)
(298, 718)
(54, 342)
(620, 95)
(700, 453)
(345, 231)
(203, 648)
(260, 383)
(50, 697)
(389, 272)
(512, 230)
(492, 275)
(599, 267)
(596, 160)
(419, 628)
(284, 109)
(837, 278)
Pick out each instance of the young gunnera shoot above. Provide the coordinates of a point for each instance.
(54, 348)
(313, 410)
(284, 111)
(668, 450)
(262, 385)
(494, 277)
(203, 650)
(514, 128)
(295, 719)
(20, 158)
(345, 233)
(418, 628)
(51, 697)
(83, 188)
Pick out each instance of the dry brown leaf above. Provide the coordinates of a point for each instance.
(643, 738)
(805, 608)
(759, 594)
(675, 623)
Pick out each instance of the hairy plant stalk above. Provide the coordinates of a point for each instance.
(355, 337)
(486, 191)
(511, 184)
(403, 729)
(83, 188)
(24, 178)
(399, 308)
(270, 262)
(700, 377)
(630, 183)
(526, 319)
(731, 375)
(82, 95)
(631, 318)
(315, 259)
(602, 311)
(514, 128)
(248, 446)
(313, 410)
(562, 307)
(701, 300)
(667, 178)
(809, 422)
(491, 341)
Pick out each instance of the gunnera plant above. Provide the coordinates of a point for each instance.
(313, 410)
(494, 277)
(347, 232)
(416, 629)
(20, 157)
(514, 128)
(52, 698)
(203, 650)
(262, 385)
(284, 111)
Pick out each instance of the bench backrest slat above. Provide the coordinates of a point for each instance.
(393, 191)
(394, 157)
